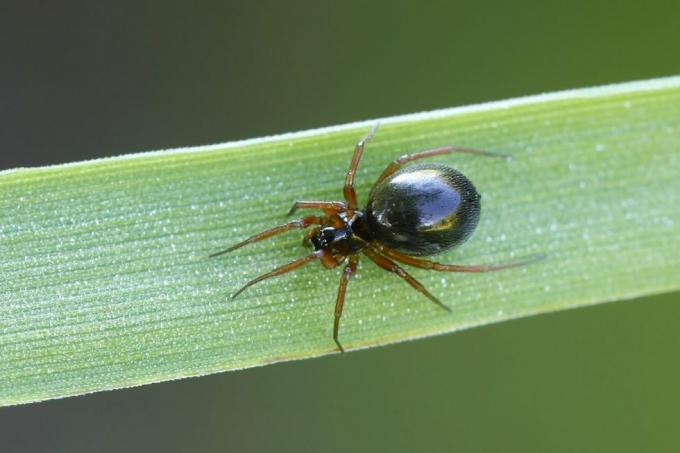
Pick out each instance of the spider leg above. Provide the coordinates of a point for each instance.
(347, 273)
(426, 264)
(391, 266)
(395, 165)
(329, 207)
(282, 270)
(304, 222)
(307, 238)
(348, 190)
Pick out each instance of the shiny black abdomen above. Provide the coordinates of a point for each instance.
(423, 209)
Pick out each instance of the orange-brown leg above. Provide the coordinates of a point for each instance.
(329, 207)
(307, 239)
(348, 191)
(347, 273)
(318, 254)
(299, 223)
(426, 264)
(391, 266)
(397, 164)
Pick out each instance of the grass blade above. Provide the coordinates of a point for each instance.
(106, 281)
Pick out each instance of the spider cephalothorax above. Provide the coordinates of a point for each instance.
(350, 237)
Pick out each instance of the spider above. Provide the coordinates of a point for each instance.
(414, 211)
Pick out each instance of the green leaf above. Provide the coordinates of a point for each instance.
(106, 280)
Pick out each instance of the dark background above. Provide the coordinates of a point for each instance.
(80, 80)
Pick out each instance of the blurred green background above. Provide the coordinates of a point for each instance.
(81, 80)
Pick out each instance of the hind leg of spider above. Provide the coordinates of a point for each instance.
(348, 190)
(391, 266)
(426, 264)
(304, 222)
(328, 207)
(347, 273)
(395, 165)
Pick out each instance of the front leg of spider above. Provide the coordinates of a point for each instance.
(299, 223)
(439, 210)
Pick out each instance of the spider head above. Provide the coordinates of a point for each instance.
(324, 238)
